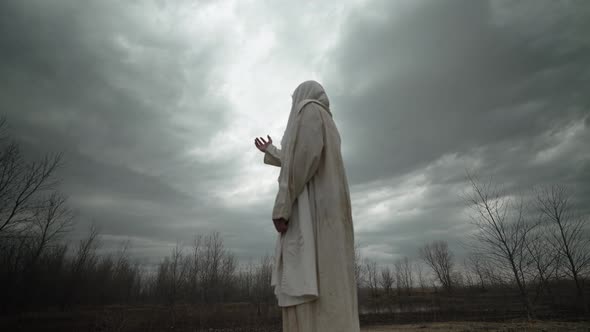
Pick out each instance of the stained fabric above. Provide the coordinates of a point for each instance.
(313, 275)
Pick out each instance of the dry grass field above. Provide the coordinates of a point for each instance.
(236, 319)
(512, 326)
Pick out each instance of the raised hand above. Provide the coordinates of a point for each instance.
(261, 144)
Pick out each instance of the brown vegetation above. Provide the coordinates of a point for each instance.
(530, 326)
(528, 260)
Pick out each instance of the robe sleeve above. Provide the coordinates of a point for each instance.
(272, 156)
(302, 161)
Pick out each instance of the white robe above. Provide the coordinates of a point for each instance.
(314, 269)
(294, 275)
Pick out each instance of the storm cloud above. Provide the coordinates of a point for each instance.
(156, 104)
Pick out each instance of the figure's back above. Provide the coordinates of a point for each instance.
(337, 303)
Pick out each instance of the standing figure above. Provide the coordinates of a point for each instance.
(313, 275)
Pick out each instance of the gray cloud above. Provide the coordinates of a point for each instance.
(123, 102)
(441, 77)
(422, 91)
(440, 87)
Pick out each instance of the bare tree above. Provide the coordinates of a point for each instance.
(399, 277)
(502, 233)
(263, 291)
(387, 280)
(84, 261)
(543, 259)
(440, 259)
(458, 279)
(372, 283)
(227, 275)
(569, 237)
(85, 255)
(372, 277)
(33, 216)
(404, 278)
(195, 266)
(245, 281)
(476, 266)
(358, 266)
(178, 269)
(421, 277)
(20, 182)
(213, 253)
(50, 220)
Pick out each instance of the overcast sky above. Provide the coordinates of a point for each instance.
(155, 105)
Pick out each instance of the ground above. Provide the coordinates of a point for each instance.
(533, 326)
(235, 319)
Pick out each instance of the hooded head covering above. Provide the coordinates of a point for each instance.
(307, 92)
(311, 90)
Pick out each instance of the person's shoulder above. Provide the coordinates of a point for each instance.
(312, 109)
(311, 113)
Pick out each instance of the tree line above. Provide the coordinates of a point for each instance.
(536, 250)
(40, 269)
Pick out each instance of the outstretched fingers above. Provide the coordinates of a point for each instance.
(261, 143)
